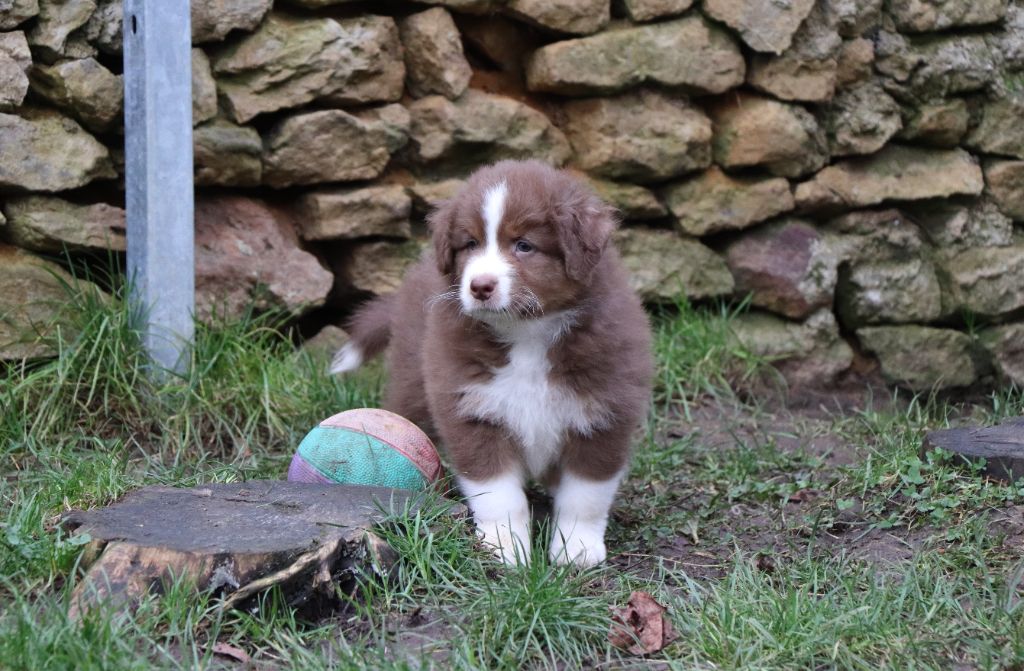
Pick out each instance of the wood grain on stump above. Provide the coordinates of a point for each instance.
(238, 539)
(1001, 446)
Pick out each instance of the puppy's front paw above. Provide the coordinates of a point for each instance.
(582, 545)
(502, 515)
(510, 540)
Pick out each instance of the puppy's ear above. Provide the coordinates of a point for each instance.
(584, 231)
(441, 220)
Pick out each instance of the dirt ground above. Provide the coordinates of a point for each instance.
(807, 427)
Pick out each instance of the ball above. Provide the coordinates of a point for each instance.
(367, 447)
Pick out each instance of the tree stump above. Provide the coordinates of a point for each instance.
(1001, 446)
(238, 539)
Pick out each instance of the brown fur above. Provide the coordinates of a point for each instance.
(436, 350)
(370, 326)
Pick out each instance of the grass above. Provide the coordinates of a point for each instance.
(245, 386)
(777, 540)
(698, 355)
(839, 613)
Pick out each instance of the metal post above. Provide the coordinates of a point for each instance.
(158, 174)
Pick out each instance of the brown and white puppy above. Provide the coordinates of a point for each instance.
(518, 344)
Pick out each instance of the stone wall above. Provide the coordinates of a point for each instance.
(856, 166)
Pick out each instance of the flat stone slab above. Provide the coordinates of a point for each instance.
(1001, 446)
(237, 538)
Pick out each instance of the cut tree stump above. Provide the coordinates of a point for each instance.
(237, 539)
(1001, 446)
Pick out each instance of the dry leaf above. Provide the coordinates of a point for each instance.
(765, 563)
(803, 495)
(641, 628)
(231, 651)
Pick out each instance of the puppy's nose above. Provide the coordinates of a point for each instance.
(483, 286)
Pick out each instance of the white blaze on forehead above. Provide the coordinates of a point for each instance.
(489, 261)
(493, 211)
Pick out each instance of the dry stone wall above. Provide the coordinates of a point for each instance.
(855, 167)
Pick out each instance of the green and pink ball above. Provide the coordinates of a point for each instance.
(367, 447)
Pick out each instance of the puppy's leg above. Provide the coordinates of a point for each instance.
(490, 475)
(581, 516)
(591, 469)
(501, 513)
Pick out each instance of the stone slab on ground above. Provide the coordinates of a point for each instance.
(1001, 446)
(238, 538)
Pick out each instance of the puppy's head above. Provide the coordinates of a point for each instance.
(521, 239)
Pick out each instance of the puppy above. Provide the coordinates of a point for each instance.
(518, 344)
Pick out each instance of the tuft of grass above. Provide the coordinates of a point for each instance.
(538, 615)
(698, 354)
(839, 613)
(1006, 402)
(172, 631)
(245, 387)
(535, 616)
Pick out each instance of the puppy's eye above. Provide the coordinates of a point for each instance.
(524, 247)
(471, 244)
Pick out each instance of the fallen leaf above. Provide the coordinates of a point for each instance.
(765, 563)
(803, 495)
(641, 628)
(231, 651)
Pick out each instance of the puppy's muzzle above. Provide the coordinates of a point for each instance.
(482, 287)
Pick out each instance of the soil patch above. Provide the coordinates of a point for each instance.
(784, 506)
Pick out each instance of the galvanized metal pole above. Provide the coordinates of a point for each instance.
(158, 174)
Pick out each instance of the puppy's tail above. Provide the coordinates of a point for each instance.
(370, 331)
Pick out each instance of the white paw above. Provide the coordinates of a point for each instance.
(502, 515)
(510, 544)
(582, 545)
(347, 359)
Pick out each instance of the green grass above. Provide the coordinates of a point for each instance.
(733, 516)
(900, 487)
(539, 615)
(245, 386)
(841, 614)
(698, 354)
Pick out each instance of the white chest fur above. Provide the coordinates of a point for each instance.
(521, 396)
